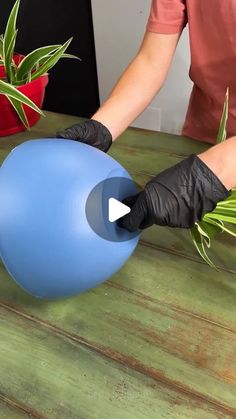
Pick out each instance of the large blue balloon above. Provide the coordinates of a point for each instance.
(46, 242)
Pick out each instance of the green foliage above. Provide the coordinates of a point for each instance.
(33, 66)
(9, 40)
(10, 91)
(222, 130)
(223, 218)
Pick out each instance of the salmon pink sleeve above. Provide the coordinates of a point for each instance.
(167, 16)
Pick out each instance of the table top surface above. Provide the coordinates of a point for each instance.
(158, 340)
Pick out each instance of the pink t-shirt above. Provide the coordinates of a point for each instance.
(212, 33)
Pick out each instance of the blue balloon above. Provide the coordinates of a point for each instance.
(46, 242)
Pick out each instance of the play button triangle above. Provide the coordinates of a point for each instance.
(116, 210)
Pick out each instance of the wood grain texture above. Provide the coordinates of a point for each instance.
(8, 412)
(156, 341)
(59, 377)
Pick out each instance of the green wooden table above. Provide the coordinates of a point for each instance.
(158, 340)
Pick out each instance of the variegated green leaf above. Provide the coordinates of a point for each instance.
(12, 92)
(63, 56)
(44, 59)
(9, 36)
(1, 46)
(210, 230)
(20, 111)
(199, 244)
(30, 61)
(71, 56)
(222, 134)
(51, 61)
(223, 218)
(9, 59)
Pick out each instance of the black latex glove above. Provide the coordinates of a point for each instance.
(177, 197)
(90, 132)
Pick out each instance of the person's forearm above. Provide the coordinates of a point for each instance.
(131, 95)
(221, 159)
(138, 84)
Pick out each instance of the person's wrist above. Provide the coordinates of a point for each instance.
(208, 180)
(221, 160)
(103, 124)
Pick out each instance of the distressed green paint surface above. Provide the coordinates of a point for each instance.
(63, 378)
(156, 341)
(7, 412)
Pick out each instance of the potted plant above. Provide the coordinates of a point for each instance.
(23, 79)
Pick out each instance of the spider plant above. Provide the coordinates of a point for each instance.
(223, 218)
(34, 65)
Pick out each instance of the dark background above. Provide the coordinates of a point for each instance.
(73, 86)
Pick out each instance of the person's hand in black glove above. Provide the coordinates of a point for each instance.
(177, 197)
(91, 132)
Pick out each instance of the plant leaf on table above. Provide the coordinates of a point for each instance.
(223, 218)
(201, 239)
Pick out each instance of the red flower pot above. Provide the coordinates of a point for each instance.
(10, 122)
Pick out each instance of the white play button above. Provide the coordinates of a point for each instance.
(116, 210)
(106, 204)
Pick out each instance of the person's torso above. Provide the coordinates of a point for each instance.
(212, 31)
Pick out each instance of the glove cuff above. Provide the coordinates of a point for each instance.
(210, 180)
(208, 188)
(103, 134)
(91, 132)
